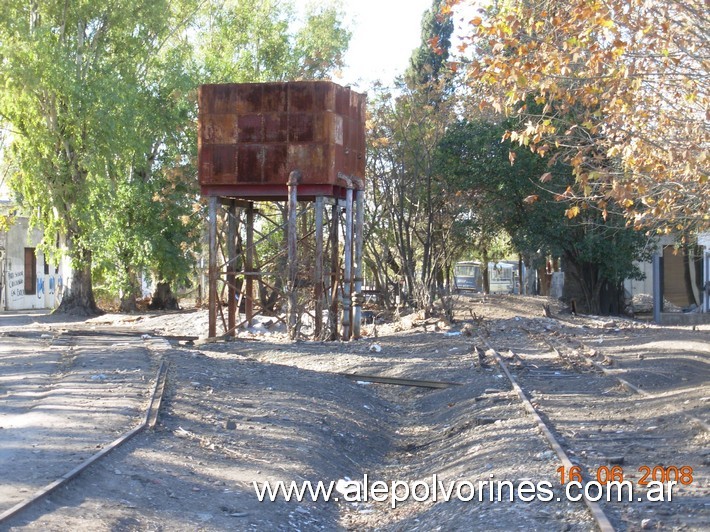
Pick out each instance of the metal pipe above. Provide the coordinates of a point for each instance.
(231, 260)
(212, 289)
(318, 269)
(293, 180)
(657, 286)
(358, 299)
(249, 267)
(334, 271)
(347, 275)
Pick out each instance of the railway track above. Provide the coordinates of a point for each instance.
(469, 429)
(64, 389)
(605, 426)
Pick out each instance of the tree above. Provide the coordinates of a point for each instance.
(257, 41)
(148, 223)
(429, 60)
(102, 100)
(321, 43)
(73, 75)
(409, 200)
(151, 228)
(474, 160)
(622, 88)
(599, 251)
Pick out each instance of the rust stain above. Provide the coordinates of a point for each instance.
(256, 133)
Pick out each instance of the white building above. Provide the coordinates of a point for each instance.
(27, 278)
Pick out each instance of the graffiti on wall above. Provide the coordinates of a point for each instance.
(16, 285)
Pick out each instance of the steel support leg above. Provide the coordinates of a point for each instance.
(231, 265)
(358, 299)
(658, 286)
(249, 267)
(293, 181)
(334, 271)
(318, 269)
(346, 330)
(213, 302)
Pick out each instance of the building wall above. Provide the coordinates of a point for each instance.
(704, 242)
(645, 286)
(49, 279)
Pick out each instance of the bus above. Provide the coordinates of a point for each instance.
(467, 276)
(502, 277)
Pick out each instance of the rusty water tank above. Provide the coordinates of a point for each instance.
(252, 135)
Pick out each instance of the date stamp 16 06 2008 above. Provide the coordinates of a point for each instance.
(682, 475)
(658, 482)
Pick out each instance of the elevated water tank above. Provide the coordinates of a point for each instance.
(252, 135)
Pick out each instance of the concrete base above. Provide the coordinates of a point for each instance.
(684, 318)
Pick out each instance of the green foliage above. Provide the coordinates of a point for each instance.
(102, 99)
(320, 44)
(613, 80)
(72, 73)
(6, 222)
(411, 215)
(502, 196)
(256, 41)
(429, 59)
(475, 161)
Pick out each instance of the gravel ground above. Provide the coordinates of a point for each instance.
(260, 408)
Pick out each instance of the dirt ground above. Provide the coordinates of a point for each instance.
(260, 408)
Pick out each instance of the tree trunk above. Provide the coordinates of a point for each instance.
(530, 277)
(588, 283)
(544, 281)
(484, 272)
(129, 297)
(163, 298)
(391, 262)
(128, 304)
(595, 303)
(79, 299)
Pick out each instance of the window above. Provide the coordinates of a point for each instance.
(501, 272)
(30, 272)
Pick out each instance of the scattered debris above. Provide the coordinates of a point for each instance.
(647, 524)
(545, 455)
(368, 379)
(467, 330)
(303, 423)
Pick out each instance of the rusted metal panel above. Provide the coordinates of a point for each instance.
(267, 192)
(255, 134)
